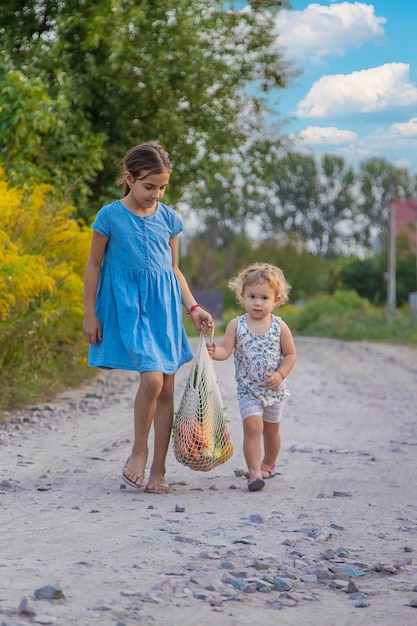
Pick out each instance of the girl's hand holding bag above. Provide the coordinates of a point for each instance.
(201, 435)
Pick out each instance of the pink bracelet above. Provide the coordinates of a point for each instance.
(282, 375)
(193, 308)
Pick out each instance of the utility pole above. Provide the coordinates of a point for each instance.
(391, 251)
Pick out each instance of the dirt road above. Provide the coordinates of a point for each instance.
(330, 540)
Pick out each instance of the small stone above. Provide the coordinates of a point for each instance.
(287, 600)
(179, 508)
(328, 555)
(340, 583)
(352, 587)
(407, 560)
(308, 578)
(25, 608)
(356, 596)
(362, 604)
(341, 494)
(282, 584)
(49, 592)
(413, 603)
(276, 605)
(321, 574)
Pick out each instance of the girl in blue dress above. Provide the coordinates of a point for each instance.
(133, 294)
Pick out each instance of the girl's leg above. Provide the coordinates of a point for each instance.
(272, 446)
(252, 443)
(150, 387)
(162, 428)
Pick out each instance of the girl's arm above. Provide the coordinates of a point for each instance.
(202, 319)
(92, 328)
(222, 352)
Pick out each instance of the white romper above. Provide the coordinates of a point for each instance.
(255, 355)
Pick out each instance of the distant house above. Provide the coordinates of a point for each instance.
(406, 220)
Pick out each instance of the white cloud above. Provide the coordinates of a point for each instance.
(405, 129)
(396, 143)
(366, 91)
(395, 138)
(317, 135)
(390, 144)
(320, 31)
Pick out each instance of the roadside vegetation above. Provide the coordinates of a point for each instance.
(72, 102)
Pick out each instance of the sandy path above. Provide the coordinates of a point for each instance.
(347, 484)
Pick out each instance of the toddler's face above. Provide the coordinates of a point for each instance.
(259, 299)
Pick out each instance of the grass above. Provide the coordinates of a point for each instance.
(342, 315)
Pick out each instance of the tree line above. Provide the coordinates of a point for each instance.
(81, 82)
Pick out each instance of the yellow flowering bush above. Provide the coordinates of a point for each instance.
(43, 251)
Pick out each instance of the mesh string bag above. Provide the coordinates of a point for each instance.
(201, 435)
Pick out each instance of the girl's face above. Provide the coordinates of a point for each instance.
(146, 191)
(259, 299)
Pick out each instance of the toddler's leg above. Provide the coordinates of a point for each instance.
(252, 443)
(272, 446)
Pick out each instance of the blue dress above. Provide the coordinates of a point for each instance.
(138, 298)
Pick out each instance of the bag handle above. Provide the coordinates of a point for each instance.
(200, 356)
(212, 336)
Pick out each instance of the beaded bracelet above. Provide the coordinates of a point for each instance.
(193, 308)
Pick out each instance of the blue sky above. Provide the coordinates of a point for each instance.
(357, 96)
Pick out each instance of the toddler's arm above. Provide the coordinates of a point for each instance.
(273, 380)
(222, 352)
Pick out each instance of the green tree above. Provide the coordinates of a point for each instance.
(312, 199)
(177, 71)
(380, 182)
(42, 139)
(365, 276)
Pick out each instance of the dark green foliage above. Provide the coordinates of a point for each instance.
(115, 74)
(368, 277)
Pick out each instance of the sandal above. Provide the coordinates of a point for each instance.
(154, 487)
(255, 483)
(270, 470)
(133, 483)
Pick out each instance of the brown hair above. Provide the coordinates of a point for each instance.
(143, 160)
(260, 273)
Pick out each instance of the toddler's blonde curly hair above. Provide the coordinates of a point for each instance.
(260, 273)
